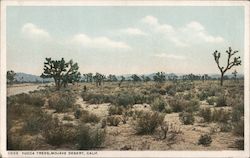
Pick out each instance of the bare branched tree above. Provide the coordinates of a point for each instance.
(230, 63)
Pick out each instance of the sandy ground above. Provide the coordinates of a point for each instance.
(124, 137)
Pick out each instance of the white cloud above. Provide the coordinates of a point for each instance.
(195, 26)
(151, 20)
(169, 56)
(192, 33)
(97, 42)
(133, 31)
(32, 31)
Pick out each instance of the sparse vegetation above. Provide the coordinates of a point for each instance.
(146, 122)
(205, 140)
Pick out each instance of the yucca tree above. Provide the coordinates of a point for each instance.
(159, 77)
(231, 62)
(10, 76)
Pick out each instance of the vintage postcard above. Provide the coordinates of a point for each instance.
(124, 78)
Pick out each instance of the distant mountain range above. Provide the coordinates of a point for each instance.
(23, 77)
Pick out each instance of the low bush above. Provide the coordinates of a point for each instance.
(78, 113)
(146, 122)
(30, 99)
(113, 120)
(186, 118)
(159, 105)
(239, 143)
(205, 140)
(96, 98)
(206, 114)
(125, 99)
(211, 100)
(61, 103)
(89, 117)
(88, 138)
(178, 105)
(35, 121)
(238, 128)
(56, 134)
(115, 110)
(193, 105)
(237, 112)
(221, 101)
(221, 115)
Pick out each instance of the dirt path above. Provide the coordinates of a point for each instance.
(23, 88)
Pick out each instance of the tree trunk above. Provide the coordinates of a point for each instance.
(221, 79)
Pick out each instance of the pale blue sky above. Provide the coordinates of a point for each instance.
(123, 40)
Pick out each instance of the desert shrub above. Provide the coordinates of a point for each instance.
(22, 142)
(187, 96)
(205, 140)
(30, 99)
(206, 113)
(211, 100)
(88, 138)
(62, 102)
(95, 98)
(225, 127)
(89, 117)
(237, 112)
(67, 118)
(56, 134)
(159, 105)
(178, 105)
(238, 128)
(139, 98)
(146, 122)
(115, 110)
(221, 115)
(113, 120)
(125, 99)
(35, 121)
(221, 101)
(170, 89)
(77, 113)
(193, 105)
(160, 91)
(186, 118)
(239, 143)
(202, 95)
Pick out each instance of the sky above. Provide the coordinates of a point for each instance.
(124, 40)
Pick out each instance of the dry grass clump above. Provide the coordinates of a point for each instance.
(205, 140)
(159, 105)
(61, 102)
(115, 110)
(146, 121)
(187, 118)
(90, 138)
(113, 120)
(88, 117)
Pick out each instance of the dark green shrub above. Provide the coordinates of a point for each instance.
(56, 134)
(202, 95)
(211, 100)
(205, 140)
(178, 105)
(238, 128)
(206, 113)
(159, 105)
(88, 138)
(77, 113)
(239, 143)
(237, 112)
(35, 121)
(193, 105)
(221, 101)
(125, 99)
(186, 118)
(113, 120)
(115, 110)
(146, 122)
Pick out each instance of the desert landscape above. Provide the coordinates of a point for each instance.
(126, 77)
(174, 115)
